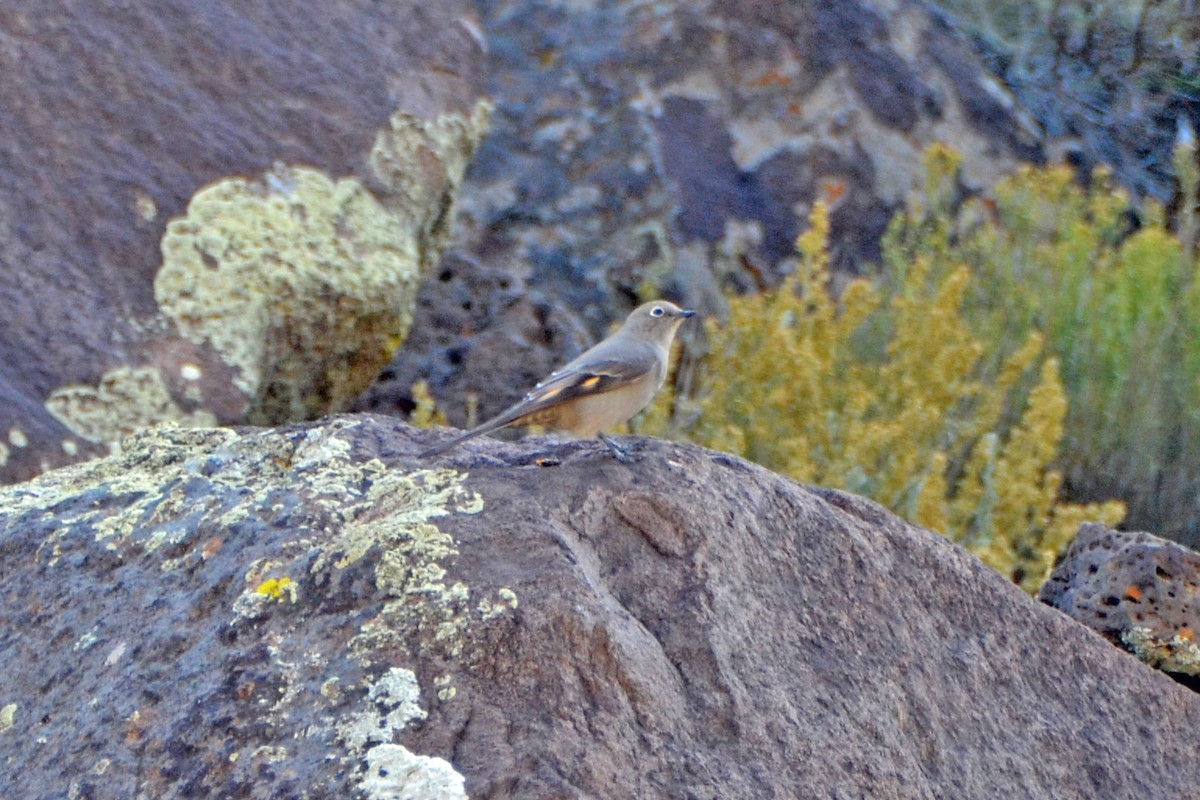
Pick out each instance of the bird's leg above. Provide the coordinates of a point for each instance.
(622, 455)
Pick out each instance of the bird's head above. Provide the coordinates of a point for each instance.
(657, 320)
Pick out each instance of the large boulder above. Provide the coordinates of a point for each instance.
(316, 612)
(212, 213)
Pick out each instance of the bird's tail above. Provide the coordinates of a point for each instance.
(444, 446)
(491, 425)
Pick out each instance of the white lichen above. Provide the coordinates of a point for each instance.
(396, 773)
(389, 770)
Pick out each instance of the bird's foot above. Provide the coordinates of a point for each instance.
(620, 453)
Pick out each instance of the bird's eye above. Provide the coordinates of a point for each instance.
(657, 311)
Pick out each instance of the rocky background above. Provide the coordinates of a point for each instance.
(1114, 82)
(217, 217)
(646, 149)
(211, 215)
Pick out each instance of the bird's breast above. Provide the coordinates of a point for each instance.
(593, 414)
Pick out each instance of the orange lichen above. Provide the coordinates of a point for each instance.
(771, 78)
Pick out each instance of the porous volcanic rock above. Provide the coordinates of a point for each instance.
(1138, 590)
(316, 612)
(216, 212)
(483, 331)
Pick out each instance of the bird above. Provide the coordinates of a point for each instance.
(601, 388)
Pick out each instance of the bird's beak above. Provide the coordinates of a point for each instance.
(687, 313)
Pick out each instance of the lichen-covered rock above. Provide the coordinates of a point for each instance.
(1139, 590)
(303, 285)
(316, 612)
(212, 214)
(223, 595)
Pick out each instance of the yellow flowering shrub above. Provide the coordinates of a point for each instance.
(1113, 289)
(879, 392)
(425, 413)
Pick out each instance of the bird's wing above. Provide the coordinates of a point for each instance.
(595, 376)
(596, 371)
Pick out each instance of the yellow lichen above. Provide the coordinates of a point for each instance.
(507, 602)
(302, 283)
(127, 399)
(417, 158)
(276, 588)
(445, 688)
(219, 480)
(1179, 653)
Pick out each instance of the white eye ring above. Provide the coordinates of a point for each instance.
(657, 311)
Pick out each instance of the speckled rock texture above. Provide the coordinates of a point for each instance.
(630, 133)
(314, 612)
(1140, 591)
(489, 334)
(675, 148)
(217, 212)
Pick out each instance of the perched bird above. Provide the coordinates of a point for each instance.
(603, 387)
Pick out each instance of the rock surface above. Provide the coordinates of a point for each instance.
(315, 612)
(670, 149)
(1140, 591)
(1090, 72)
(212, 213)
